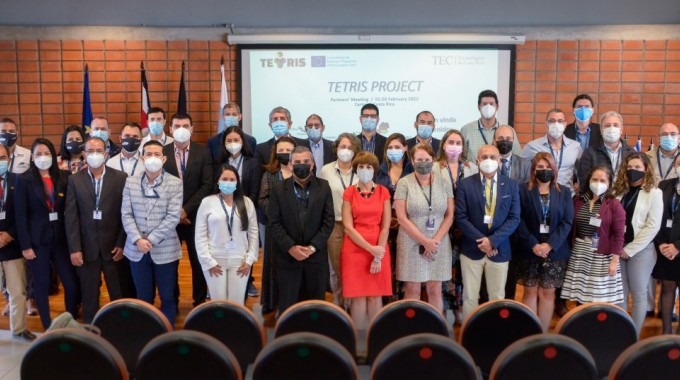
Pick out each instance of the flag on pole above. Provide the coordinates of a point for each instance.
(638, 144)
(182, 98)
(651, 145)
(87, 104)
(146, 103)
(224, 99)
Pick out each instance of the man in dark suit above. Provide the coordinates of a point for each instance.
(302, 218)
(100, 128)
(582, 130)
(371, 140)
(94, 229)
(232, 118)
(424, 125)
(322, 149)
(280, 123)
(487, 213)
(193, 164)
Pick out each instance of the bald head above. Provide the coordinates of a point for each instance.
(504, 132)
(487, 152)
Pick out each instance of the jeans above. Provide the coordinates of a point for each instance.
(635, 274)
(149, 275)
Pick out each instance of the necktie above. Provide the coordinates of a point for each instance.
(490, 206)
(505, 169)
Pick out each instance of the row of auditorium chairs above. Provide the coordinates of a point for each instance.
(407, 339)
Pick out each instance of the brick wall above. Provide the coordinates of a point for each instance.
(41, 81)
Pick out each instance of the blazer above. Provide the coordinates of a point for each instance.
(250, 179)
(668, 235)
(32, 214)
(379, 149)
(520, 168)
(263, 150)
(647, 219)
(328, 154)
(654, 160)
(11, 251)
(198, 177)
(595, 134)
(288, 228)
(215, 144)
(413, 141)
(154, 219)
(612, 226)
(470, 216)
(561, 219)
(84, 233)
(597, 155)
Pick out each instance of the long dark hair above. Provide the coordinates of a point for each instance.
(54, 169)
(245, 149)
(64, 153)
(273, 165)
(610, 178)
(239, 200)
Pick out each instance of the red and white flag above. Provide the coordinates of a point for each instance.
(146, 103)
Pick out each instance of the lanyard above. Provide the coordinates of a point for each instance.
(50, 195)
(618, 162)
(559, 166)
(545, 208)
(481, 131)
(460, 173)
(351, 179)
(4, 192)
(658, 159)
(429, 200)
(230, 218)
(238, 166)
(133, 166)
(183, 161)
(141, 183)
(97, 191)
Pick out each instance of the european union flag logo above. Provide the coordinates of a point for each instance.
(318, 61)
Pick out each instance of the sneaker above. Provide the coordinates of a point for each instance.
(25, 335)
(252, 290)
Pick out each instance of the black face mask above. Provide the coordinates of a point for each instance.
(131, 144)
(75, 147)
(635, 175)
(8, 139)
(544, 175)
(302, 171)
(504, 146)
(283, 158)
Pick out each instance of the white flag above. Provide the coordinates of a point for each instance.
(224, 99)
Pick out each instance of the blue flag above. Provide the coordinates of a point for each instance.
(638, 144)
(87, 105)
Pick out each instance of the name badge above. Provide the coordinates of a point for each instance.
(97, 215)
(488, 219)
(669, 223)
(430, 224)
(595, 222)
(3, 215)
(54, 216)
(544, 229)
(231, 245)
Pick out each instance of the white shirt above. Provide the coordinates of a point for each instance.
(212, 233)
(331, 173)
(165, 140)
(20, 160)
(131, 166)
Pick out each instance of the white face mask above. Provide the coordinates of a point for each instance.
(365, 175)
(95, 160)
(181, 135)
(43, 162)
(488, 111)
(153, 164)
(556, 130)
(345, 155)
(598, 188)
(233, 148)
(488, 166)
(611, 134)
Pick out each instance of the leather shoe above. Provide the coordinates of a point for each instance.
(30, 307)
(25, 335)
(561, 309)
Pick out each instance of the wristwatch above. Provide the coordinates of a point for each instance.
(312, 248)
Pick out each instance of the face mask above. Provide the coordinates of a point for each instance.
(283, 158)
(155, 128)
(102, 134)
(314, 134)
(153, 164)
(423, 167)
(280, 128)
(302, 171)
(233, 148)
(3, 167)
(95, 160)
(365, 175)
(488, 166)
(488, 111)
(345, 155)
(544, 175)
(131, 144)
(395, 155)
(368, 124)
(425, 131)
(611, 134)
(504, 146)
(230, 121)
(668, 142)
(556, 130)
(227, 187)
(75, 147)
(598, 188)
(635, 175)
(583, 113)
(43, 162)
(8, 139)
(181, 135)
(453, 151)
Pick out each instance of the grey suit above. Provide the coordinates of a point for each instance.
(519, 169)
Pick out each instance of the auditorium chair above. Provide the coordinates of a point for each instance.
(652, 358)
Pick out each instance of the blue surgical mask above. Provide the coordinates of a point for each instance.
(227, 187)
(230, 121)
(102, 134)
(3, 167)
(425, 131)
(583, 113)
(156, 128)
(369, 124)
(395, 155)
(280, 128)
(314, 134)
(668, 142)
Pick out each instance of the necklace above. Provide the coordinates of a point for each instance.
(366, 195)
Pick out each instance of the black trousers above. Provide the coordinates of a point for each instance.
(89, 275)
(300, 282)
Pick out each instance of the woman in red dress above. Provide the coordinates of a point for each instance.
(365, 266)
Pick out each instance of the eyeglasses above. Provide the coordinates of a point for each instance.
(315, 125)
(561, 121)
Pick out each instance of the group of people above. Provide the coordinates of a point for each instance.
(575, 215)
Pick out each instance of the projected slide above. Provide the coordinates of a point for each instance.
(336, 83)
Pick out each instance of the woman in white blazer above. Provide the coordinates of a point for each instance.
(643, 203)
(227, 238)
